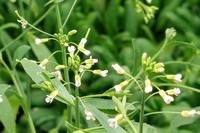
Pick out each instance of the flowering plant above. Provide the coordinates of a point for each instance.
(64, 74)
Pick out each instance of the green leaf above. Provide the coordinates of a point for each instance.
(20, 52)
(103, 119)
(136, 57)
(6, 113)
(111, 17)
(3, 88)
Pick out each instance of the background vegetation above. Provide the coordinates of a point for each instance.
(115, 26)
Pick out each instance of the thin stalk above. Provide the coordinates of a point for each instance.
(162, 112)
(142, 112)
(77, 110)
(64, 60)
(69, 14)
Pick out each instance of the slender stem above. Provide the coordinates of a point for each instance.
(142, 112)
(132, 126)
(77, 107)
(160, 50)
(162, 112)
(65, 22)
(58, 15)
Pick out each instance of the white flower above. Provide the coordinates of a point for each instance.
(1, 99)
(89, 115)
(23, 22)
(148, 87)
(83, 42)
(100, 72)
(57, 74)
(148, 1)
(77, 80)
(50, 97)
(71, 50)
(86, 52)
(177, 91)
(117, 88)
(118, 69)
(168, 99)
(176, 77)
(91, 61)
(37, 41)
(190, 113)
(43, 63)
(66, 44)
(104, 73)
(112, 122)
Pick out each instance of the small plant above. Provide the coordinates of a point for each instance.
(113, 111)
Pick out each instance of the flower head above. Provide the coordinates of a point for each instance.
(1, 99)
(39, 41)
(148, 87)
(77, 80)
(89, 115)
(100, 72)
(159, 68)
(71, 50)
(81, 46)
(113, 122)
(120, 86)
(175, 91)
(118, 69)
(50, 97)
(190, 113)
(57, 74)
(176, 77)
(23, 22)
(168, 99)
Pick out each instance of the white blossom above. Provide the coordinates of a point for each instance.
(50, 97)
(168, 99)
(112, 122)
(118, 69)
(1, 99)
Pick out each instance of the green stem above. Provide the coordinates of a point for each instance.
(180, 86)
(160, 50)
(69, 14)
(132, 126)
(58, 15)
(64, 60)
(162, 112)
(77, 107)
(142, 112)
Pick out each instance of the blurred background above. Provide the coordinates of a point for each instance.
(115, 26)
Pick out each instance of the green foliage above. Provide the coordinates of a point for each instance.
(119, 34)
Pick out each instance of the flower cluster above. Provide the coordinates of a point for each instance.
(148, 11)
(153, 67)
